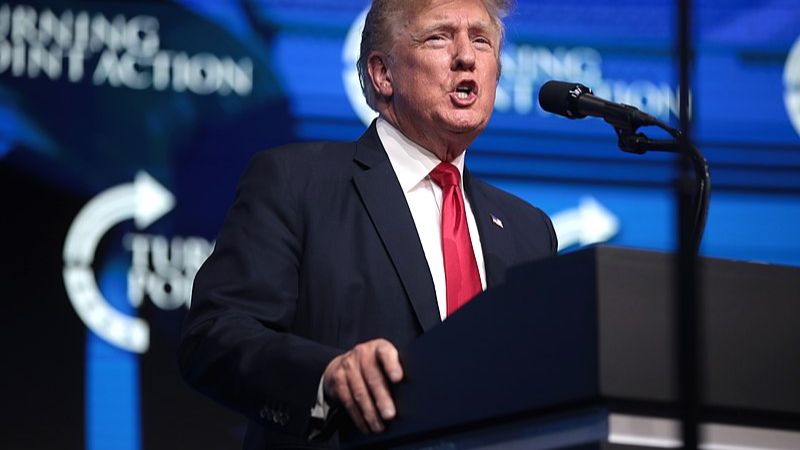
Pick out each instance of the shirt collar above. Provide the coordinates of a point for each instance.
(411, 162)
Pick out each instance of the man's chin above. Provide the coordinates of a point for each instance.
(465, 127)
(465, 120)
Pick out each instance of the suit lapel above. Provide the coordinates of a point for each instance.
(495, 241)
(386, 205)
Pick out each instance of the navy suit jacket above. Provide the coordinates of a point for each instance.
(318, 253)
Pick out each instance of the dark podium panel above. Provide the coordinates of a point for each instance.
(576, 345)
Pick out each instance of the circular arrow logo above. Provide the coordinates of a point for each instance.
(352, 85)
(791, 82)
(144, 201)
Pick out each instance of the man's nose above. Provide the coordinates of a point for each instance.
(464, 53)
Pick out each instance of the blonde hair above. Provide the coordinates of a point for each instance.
(382, 21)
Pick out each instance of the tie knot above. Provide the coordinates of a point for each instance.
(445, 175)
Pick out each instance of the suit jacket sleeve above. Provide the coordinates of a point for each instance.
(237, 344)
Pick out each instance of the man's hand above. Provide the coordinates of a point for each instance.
(359, 381)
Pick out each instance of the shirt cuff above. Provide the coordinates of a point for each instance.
(321, 408)
(319, 413)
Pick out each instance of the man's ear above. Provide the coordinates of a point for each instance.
(379, 74)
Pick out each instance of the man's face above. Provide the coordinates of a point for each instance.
(443, 72)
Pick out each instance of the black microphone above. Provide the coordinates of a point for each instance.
(576, 101)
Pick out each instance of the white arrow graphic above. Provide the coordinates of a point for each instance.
(144, 201)
(589, 223)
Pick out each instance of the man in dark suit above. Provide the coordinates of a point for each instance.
(336, 254)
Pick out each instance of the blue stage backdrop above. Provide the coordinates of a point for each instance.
(125, 125)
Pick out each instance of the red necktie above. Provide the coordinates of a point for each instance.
(460, 267)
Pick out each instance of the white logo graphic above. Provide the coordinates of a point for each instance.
(352, 85)
(791, 82)
(144, 201)
(162, 269)
(589, 223)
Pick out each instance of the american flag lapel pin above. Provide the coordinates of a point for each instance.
(496, 220)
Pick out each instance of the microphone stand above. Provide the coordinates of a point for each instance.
(687, 313)
(630, 141)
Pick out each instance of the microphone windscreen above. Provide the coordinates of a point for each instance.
(557, 97)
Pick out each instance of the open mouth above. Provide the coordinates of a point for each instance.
(465, 89)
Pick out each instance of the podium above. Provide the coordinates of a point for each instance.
(577, 351)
